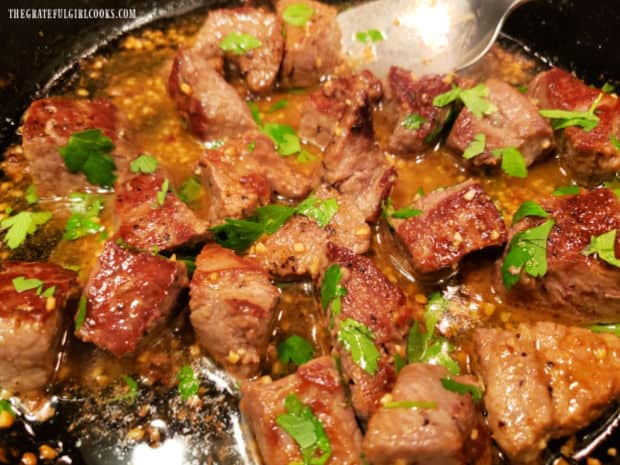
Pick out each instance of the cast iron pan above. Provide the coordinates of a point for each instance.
(39, 57)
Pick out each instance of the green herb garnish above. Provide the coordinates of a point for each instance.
(372, 35)
(89, 152)
(460, 388)
(254, 110)
(609, 328)
(608, 88)
(358, 339)
(190, 190)
(297, 14)
(476, 146)
(561, 119)
(529, 208)
(475, 99)
(21, 225)
(161, 194)
(284, 137)
(144, 164)
(332, 290)
(49, 292)
(605, 247)
(322, 211)
(279, 105)
(566, 190)
(513, 163)
(239, 44)
(413, 122)
(422, 404)
(22, 284)
(188, 382)
(295, 349)
(31, 196)
(614, 140)
(5, 406)
(84, 219)
(132, 389)
(80, 316)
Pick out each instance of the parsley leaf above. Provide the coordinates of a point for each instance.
(306, 157)
(188, 382)
(89, 152)
(255, 113)
(84, 219)
(527, 252)
(614, 140)
(295, 349)
(161, 194)
(297, 14)
(237, 235)
(513, 163)
(475, 99)
(423, 404)
(413, 121)
(460, 388)
(307, 431)
(22, 284)
(404, 213)
(80, 316)
(566, 190)
(610, 328)
(31, 196)
(49, 292)
(372, 35)
(359, 340)
(447, 98)
(529, 208)
(476, 146)
(279, 105)
(331, 290)
(608, 88)
(239, 44)
(5, 406)
(605, 247)
(190, 190)
(132, 389)
(272, 217)
(320, 210)
(561, 119)
(284, 137)
(144, 164)
(21, 225)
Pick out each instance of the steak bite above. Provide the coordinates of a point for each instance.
(259, 65)
(31, 324)
(544, 381)
(372, 300)
(311, 51)
(48, 124)
(589, 155)
(516, 123)
(129, 294)
(147, 223)
(415, 97)
(212, 106)
(317, 385)
(452, 433)
(582, 286)
(299, 247)
(232, 305)
(454, 222)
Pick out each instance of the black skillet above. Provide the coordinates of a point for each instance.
(39, 57)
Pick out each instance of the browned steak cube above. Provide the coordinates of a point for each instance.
(452, 433)
(454, 222)
(375, 302)
(311, 51)
(516, 123)
(590, 156)
(317, 385)
(212, 107)
(415, 97)
(31, 324)
(581, 286)
(299, 247)
(48, 124)
(146, 223)
(259, 65)
(544, 381)
(129, 294)
(232, 306)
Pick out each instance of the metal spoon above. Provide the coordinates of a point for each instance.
(424, 36)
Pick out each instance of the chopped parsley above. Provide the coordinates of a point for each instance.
(279, 105)
(144, 164)
(284, 137)
(387, 209)
(566, 190)
(522, 89)
(161, 194)
(89, 152)
(237, 235)
(371, 35)
(422, 404)
(413, 122)
(475, 147)
(475, 99)
(608, 88)
(513, 163)
(21, 225)
(527, 252)
(321, 211)
(5, 406)
(255, 112)
(358, 339)
(84, 219)
(609, 328)
(22, 284)
(131, 389)
(49, 292)
(460, 388)
(80, 316)
(31, 196)
(561, 119)
(306, 157)
(295, 349)
(239, 44)
(332, 290)
(251, 146)
(614, 140)
(190, 190)
(188, 382)
(297, 14)
(529, 208)
(604, 246)
(427, 347)
(306, 429)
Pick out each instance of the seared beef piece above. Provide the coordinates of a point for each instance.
(232, 306)
(129, 294)
(590, 156)
(544, 381)
(260, 65)
(583, 286)
(516, 123)
(299, 247)
(415, 96)
(454, 222)
(311, 51)
(48, 124)
(147, 225)
(338, 118)
(451, 434)
(317, 385)
(31, 325)
(212, 107)
(375, 302)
